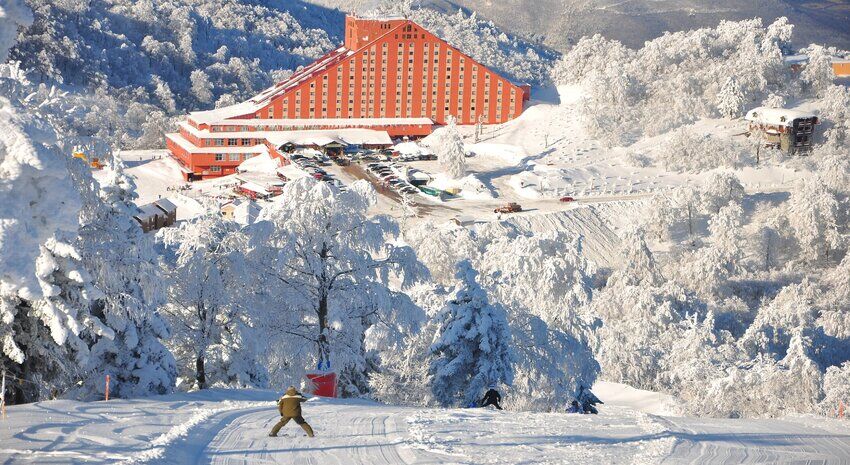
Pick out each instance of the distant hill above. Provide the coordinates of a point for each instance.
(559, 23)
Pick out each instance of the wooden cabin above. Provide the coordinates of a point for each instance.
(791, 131)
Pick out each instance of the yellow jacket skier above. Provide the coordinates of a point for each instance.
(290, 409)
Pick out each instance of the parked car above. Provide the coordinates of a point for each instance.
(567, 199)
(512, 207)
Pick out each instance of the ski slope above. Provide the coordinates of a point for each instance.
(231, 426)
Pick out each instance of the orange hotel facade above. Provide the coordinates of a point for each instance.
(390, 75)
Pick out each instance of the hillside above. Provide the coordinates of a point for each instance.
(560, 23)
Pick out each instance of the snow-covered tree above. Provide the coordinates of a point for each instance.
(836, 388)
(812, 214)
(14, 14)
(817, 74)
(215, 338)
(544, 282)
(774, 101)
(721, 189)
(639, 266)
(730, 100)
(448, 145)
(45, 292)
(331, 264)
(125, 269)
(472, 350)
(201, 86)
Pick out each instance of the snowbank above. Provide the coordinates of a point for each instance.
(622, 395)
(471, 188)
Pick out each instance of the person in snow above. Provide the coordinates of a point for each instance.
(492, 397)
(588, 401)
(574, 408)
(290, 409)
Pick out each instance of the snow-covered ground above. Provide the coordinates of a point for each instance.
(231, 427)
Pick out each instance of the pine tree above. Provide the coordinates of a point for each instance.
(450, 151)
(472, 350)
(730, 99)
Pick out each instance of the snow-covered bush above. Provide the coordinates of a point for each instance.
(685, 150)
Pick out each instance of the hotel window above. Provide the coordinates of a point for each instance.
(246, 142)
(219, 157)
(231, 142)
(215, 169)
(218, 142)
(235, 157)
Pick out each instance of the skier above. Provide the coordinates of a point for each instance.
(290, 409)
(492, 397)
(588, 401)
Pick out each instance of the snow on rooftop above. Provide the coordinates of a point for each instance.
(412, 148)
(191, 148)
(292, 172)
(322, 138)
(148, 211)
(260, 163)
(166, 205)
(776, 116)
(224, 113)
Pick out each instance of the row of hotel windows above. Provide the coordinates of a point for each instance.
(233, 156)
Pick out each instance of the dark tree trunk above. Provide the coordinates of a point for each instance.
(200, 372)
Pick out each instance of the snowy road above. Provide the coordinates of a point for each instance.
(230, 427)
(347, 432)
(725, 441)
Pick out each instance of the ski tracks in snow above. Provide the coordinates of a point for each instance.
(348, 432)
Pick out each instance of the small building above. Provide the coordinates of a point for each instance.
(169, 211)
(791, 131)
(156, 215)
(242, 211)
(841, 67)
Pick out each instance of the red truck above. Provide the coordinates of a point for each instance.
(512, 207)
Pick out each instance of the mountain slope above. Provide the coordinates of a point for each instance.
(560, 23)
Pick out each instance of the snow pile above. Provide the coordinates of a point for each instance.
(411, 149)
(471, 188)
(262, 163)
